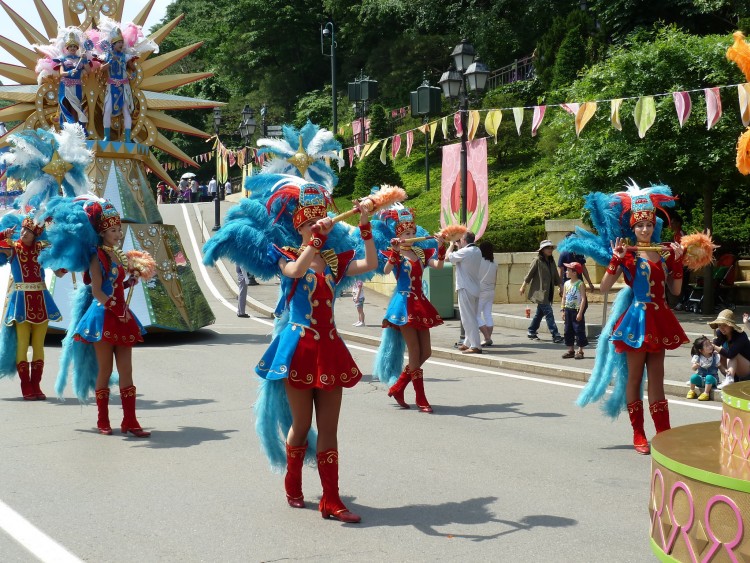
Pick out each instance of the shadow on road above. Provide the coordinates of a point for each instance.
(505, 409)
(426, 518)
(185, 437)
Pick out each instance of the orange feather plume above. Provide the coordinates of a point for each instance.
(387, 195)
(739, 53)
(699, 250)
(452, 233)
(743, 153)
(142, 262)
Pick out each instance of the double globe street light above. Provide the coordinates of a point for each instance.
(466, 74)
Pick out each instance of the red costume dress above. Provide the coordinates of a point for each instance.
(409, 306)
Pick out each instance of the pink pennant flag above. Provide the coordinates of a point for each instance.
(571, 108)
(395, 146)
(538, 117)
(683, 104)
(351, 156)
(713, 106)
(232, 159)
(403, 112)
(357, 150)
(394, 113)
(457, 123)
(409, 142)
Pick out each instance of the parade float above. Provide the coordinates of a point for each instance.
(77, 72)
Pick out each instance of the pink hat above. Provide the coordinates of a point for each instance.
(575, 266)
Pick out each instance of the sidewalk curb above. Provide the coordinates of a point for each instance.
(674, 388)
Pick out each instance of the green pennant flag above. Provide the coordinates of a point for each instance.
(645, 114)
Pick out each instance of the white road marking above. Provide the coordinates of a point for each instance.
(232, 307)
(34, 540)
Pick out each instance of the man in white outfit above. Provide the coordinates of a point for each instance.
(467, 261)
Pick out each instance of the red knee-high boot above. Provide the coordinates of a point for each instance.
(330, 504)
(23, 374)
(37, 368)
(295, 459)
(129, 421)
(660, 415)
(640, 442)
(397, 389)
(102, 405)
(418, 382)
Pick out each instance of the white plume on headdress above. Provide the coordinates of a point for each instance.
(46, 66)
(136, 44)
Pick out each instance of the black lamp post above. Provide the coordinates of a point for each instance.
(425, 101)
(263, 113)
(248, 124)
(362, 90)
(328, 31)
(466, 74)
(217, 205)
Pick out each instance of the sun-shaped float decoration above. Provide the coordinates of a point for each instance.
(76, 72)
(36, 100)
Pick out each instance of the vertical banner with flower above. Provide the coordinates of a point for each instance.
(477, 206)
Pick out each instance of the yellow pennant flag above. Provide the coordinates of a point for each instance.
(433, 130)
(372, 148)
(473, 123)
(518, 116)
(492, 122)
(444, 123)
(614, 116)
(423, 128)
(585, 112)
(744, 93)
(645, 114)
(364, 151)
(383, 157)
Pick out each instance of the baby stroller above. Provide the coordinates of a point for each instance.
(725, 272)
(184, 196)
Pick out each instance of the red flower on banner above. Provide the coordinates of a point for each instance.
(471, 194)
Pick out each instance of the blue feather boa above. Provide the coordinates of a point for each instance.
(389, 361)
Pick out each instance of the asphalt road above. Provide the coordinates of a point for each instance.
(506, 469)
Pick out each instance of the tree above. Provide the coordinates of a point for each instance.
(371, 171)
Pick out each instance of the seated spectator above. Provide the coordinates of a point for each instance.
(733, 346)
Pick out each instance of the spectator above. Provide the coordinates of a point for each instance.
(213, 188)
(242, 282)
(184, 186)
(228, 188)
(358, 296)
(161, 192)
(733, 346)
(194, 190)
(542, 278)
(568, 258)
(467, 261)
(487, 280)
(202, 192)
(573, 307)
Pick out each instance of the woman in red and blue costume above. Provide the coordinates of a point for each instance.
(409, 311)
(647, 327)
(108, 324)
(308, 354)
(30, 304)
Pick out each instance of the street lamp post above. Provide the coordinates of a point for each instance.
(248, 124)
(466, 74)
(263, 112)
(328, 31)
(362, 90)
(217, 204)
(425, 101)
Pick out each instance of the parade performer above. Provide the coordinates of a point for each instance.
(307, 364)
(119, 97)
(66, 57)
(30, 305)
(101, 319)
(409, 315)
(641, 326)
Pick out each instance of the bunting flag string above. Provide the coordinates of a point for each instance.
(713, 106)
(743, 92)
(536, 121)
(683, 105)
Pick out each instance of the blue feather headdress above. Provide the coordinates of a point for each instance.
(47, 161)
(302, 152)
(72, 237)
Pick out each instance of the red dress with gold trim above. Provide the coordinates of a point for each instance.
(648, 325)
(309, 351)
(409, 305)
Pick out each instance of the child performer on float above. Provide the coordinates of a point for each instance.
(30, 306)
(73, 69)
(641, 326)
(119, 96)
(101, 318)
(409, 313)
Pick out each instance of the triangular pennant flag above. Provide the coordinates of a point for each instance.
(518, 116)
(713, 106)
(384, 153)
(395, 146)
(492, 122)
(409, 142)
(683, 105)
(743, 90)
(444, 123)
(433, 130)
(538, 117)
(372, 148)
(457, 123)
(571, 108)
(585, 112)
(423, 128)
(358, 149)
(232, 159)
(644, 114)
(364, 151)
(473, 123)
(351, 156)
